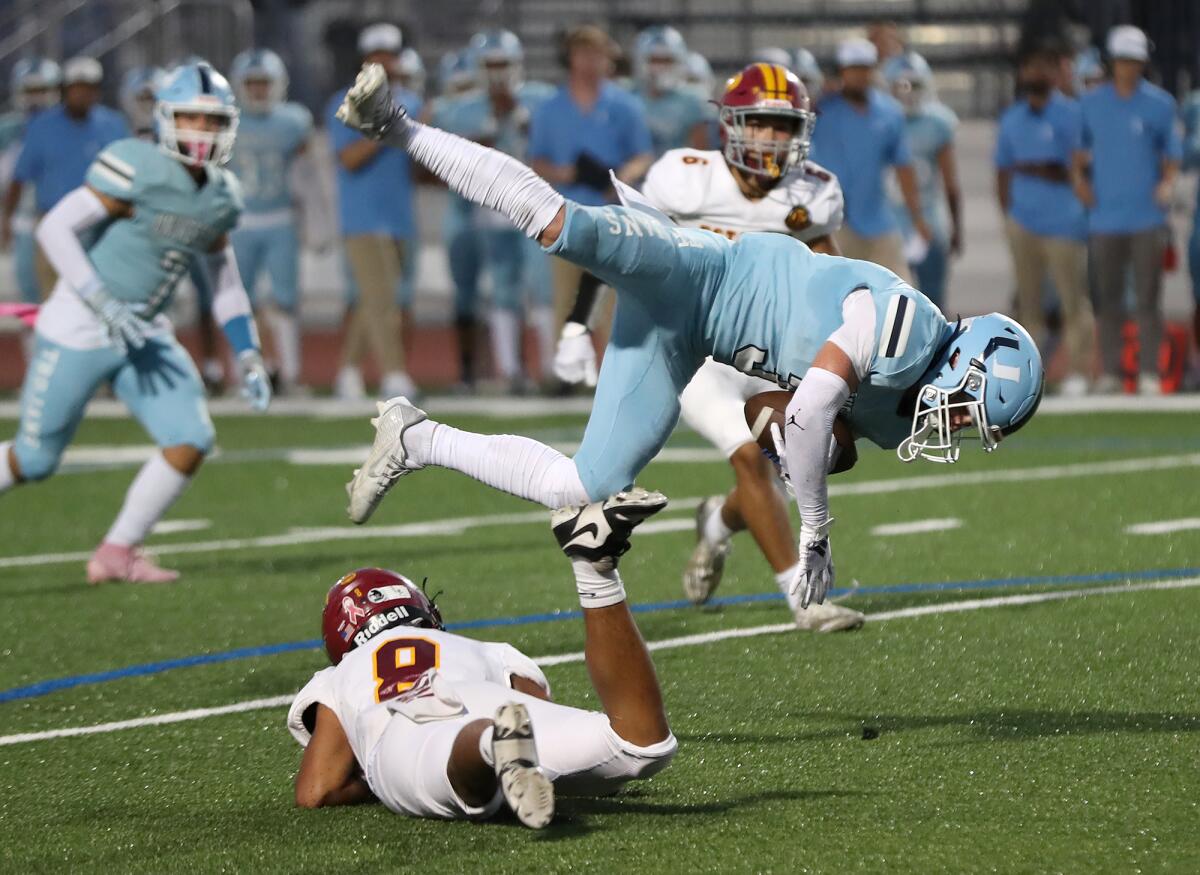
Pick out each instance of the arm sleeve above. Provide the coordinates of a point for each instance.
(808, 429)
(231, 304)
(58, 234)
(856, 335)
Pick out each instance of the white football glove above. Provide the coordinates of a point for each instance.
(368, 106)
(256, 382)
(814, 572)
(575, 358)
(125, 328)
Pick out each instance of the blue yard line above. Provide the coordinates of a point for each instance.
(42, 688)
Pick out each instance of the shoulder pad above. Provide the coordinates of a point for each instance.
(678, 182)
(124, 168)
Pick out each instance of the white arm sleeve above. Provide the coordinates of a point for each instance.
(808, 429)
(856, 335)
(482, 175)
(58, 234)
(229, 293)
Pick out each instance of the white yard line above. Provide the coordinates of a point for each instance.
(917, 527)
(1164, 527)
(664, 644)
(174, 527)
(458, 525)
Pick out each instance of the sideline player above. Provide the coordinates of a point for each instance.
(433, 724)
(156, 209)
(823, 326)
(760, 180)
(273, 134)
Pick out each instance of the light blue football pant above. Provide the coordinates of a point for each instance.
(276, 251)
(515, 263)
(656, 346)
(158, 383)
(930, 274)
(25, 260)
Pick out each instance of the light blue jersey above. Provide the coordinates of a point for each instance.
(930, 129)
(141, 259)
(267, 144)
(671, 115)
(764, 304)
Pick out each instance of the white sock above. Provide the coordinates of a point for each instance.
(286, 329)
(715, 530)
(542, 320)
(482, 175)
(517, 465)
(156, 487)
(505, 328)
(7, 481)
(783, 580)
(597, 589)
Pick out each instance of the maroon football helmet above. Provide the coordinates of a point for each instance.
(765, 90)
(366, 602)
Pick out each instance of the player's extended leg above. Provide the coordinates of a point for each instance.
(282, 257)
(161, 387)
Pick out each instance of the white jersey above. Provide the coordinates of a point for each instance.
(698, 190)
(358, 689)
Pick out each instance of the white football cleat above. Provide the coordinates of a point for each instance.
(526, 789)
(827, 617)
(704, 569)
(388, 460)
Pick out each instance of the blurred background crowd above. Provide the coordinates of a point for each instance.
(1015, 154)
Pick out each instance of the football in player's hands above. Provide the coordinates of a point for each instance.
(770, 408)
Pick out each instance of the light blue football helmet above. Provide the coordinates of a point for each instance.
(698, 76)
(910, 79)
(34, 83)
(139, 87)
(499, 56)
(989, 369)
(809, 72)
(259, 65)
(196, 88)
(457, 73)
(659, 56)
(772, 55)
(412, 71)
(1089, 71)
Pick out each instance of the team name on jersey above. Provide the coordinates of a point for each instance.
(185, 230)
(630, 223)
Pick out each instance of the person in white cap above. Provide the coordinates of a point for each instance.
(1124, 173)
(375, 209)
(860, 132)
(60, 145)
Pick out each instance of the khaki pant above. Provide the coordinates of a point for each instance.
(566, 276)
(887, 250)
(375, 262)
(47, 276)
(1115, 255)
(1065, 260)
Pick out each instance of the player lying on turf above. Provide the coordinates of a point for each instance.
(436, 725)
(829, 328)
(760, 180)
(120, 244)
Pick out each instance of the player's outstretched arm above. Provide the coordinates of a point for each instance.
(329, 773)
(805, 438)
(482, 175)
(231, 310)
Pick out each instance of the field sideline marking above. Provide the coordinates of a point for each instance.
(454, 526)
(1164, 527)
(664, 644)
(917, 527)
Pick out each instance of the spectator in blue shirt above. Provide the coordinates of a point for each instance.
(587, 128)
(1130, 141)
(375, 211)
(1046, 224)
(860, 132)
(60, 145)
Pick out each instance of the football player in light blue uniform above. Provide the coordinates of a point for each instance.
(675, 114)
(272, 134)
(498, 115)
(847, 337)
(698, 78)
(35, 86)
(931, 127)
(120, 244)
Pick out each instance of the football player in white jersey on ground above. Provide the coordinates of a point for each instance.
(433, 724)
(759, 181)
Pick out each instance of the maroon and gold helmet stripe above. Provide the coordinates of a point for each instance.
(775, 82)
